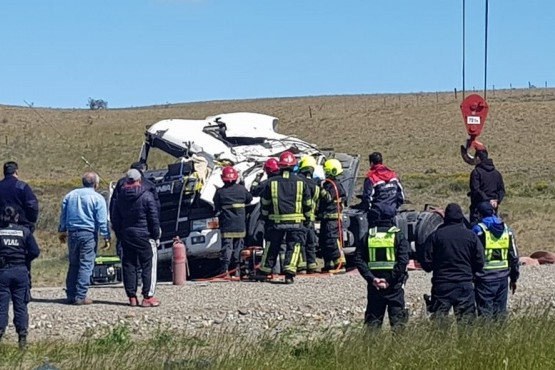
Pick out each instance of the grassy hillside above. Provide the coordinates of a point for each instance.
(419, 135)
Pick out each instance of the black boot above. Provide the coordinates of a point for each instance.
(22, 342)
(289, 279)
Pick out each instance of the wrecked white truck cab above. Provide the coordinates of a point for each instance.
(198, 150)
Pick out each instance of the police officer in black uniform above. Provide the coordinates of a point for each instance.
(19, 195)
(17, 248)
(382, 262)
(286, 205)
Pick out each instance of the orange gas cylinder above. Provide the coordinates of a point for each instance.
(179, 262)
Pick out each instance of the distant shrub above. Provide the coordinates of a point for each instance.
(95, 104)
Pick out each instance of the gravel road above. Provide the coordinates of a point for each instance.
(200, 307)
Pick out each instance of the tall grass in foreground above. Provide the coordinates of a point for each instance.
(522, 343)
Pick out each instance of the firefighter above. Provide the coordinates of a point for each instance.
(486, 185)
(17, 248)
(383, 193)
(330, 208)
(286, 205)
(271, 168)
(454, 254)
(307, 165)
(230, 202)
(491, 285)
(382, 262)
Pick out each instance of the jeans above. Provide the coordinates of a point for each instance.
(82, 252)
(491, 298)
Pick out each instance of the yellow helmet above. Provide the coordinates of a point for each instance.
(307, 161)
(333, 167)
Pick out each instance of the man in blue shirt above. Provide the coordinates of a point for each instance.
(84, 214)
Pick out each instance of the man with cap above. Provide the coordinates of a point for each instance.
(82, 217)
(149, 185)
(383, 193)
(454, 254)
(501, 264)
(19, 195)
(137, 225)
(486, 185)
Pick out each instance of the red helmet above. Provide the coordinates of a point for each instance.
(229, 174)
(287, 159)
(271, 166)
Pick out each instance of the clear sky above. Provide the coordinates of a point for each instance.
(58, 53)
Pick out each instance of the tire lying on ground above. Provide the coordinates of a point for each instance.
(417, 226)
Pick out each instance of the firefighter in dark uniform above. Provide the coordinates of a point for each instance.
(17, 248)
(286, 205)
(382, 262)
(230, 202)
(454, 254)
(330, 209)
(271, 168)
(492, 284)
(307, 165)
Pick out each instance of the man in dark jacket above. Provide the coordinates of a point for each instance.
(146, 183)
(486, 185)
(501, 264)
(383, 192)
(382, 262)
(136, 223)
(230, 202)
(19, 195)
(454, 254)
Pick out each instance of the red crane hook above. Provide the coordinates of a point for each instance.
(474, 110)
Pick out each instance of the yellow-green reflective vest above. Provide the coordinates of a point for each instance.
(381, 249)
(499, 260)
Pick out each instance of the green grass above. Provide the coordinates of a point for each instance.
(525, 342)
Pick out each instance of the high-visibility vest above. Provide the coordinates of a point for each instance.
(381, 249)
(494, 244)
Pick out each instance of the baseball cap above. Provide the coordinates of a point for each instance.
(133, 175)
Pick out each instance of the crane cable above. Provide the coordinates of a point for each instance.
(69, 144)
(485, 47)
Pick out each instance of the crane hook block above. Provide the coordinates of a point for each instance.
(474, 110)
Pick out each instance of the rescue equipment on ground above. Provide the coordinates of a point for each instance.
(107, 270)
(179, 262)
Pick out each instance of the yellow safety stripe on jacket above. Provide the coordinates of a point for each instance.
(275, 197)
(296, 217)
(493, 244)
(315, 199)
(234, 205)
(299, 198)
(379, 241)
(234, 234)
(330, 216)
